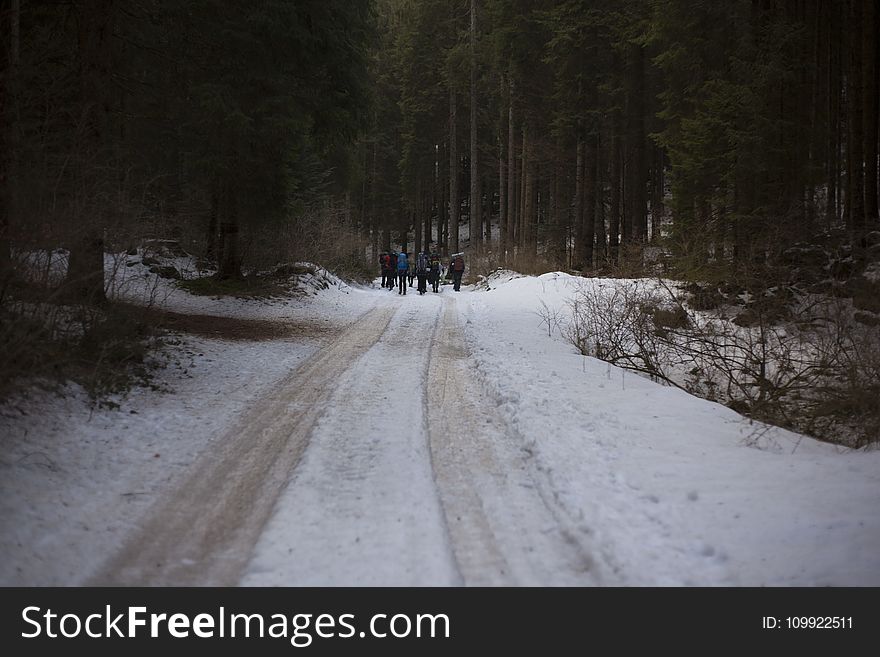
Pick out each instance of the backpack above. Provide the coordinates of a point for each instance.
(422, 263)
(458, 265)
(401, 262)
(435, 261)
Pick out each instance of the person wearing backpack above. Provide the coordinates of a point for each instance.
(402, 271)
(384, 265)
(434, 270)
(392, 271)
(421, 270)
(456, 266)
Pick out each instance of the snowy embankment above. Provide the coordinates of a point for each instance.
(670, 489)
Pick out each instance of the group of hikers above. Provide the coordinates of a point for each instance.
(398, 268)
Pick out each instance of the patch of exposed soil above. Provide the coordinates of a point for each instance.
(232, 328)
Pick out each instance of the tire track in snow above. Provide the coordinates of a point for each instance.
(362, 508)
(503, 531)
(203, 531)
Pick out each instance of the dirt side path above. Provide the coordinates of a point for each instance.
(202, 532)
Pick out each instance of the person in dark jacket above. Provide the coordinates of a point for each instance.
(434, 270)
(456, 268)
(384, 264)
(402, 271)
(392, 274)
(421, 269)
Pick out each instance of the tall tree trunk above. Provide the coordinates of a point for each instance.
(842, 63)
(355, 251)
(855, 145)
(442, 193)
(373, 211)
(213, 214)
(529, 241)
(656, 191)
(614, 205)
(579, 246)
(9, 151)
(502, 201)
(523, 209)
(229, 259)
(454, 202)
(403, 221)
(815, 144)
(487, 216)
(840, 20)
(426, 209)
(502, 179)
(475, 203)
(511, 175)
(229, 264)
(418, 228)
(85, 274)
(832, 128)
(556, 248)
(870, 54)
(601, 235)
(446, 238)
(591, 153)
(636, 180)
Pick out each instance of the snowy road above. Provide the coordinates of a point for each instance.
(201, 532)
(409, 478)
(376, 462)
(503, 522)
(450, 439)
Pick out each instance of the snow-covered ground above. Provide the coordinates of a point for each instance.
(75, 478)
(672, 489)
(461, 444)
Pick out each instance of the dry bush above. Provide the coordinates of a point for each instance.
(483, 265)
(531, 264)
(47, 336)
(614, 321)
(320, 236)
(633, 261)
(817, 371)
(106, 348)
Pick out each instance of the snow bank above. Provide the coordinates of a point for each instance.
(674, 489)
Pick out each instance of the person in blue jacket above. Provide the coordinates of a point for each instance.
(402, 271)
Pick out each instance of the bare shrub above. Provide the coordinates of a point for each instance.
(530, 264)
(105, 348)
(552, 318)
(633, 261)
(324, 236)
(613, 321)
(815, 372)
(45, 337)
